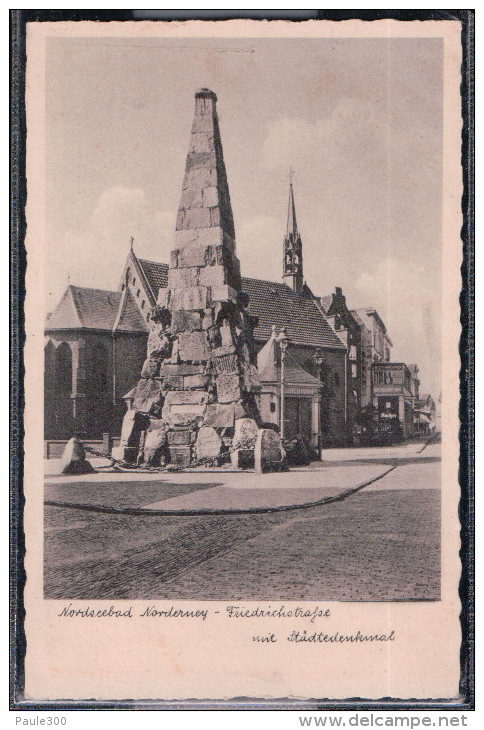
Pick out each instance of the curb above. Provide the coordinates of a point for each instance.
(138, 511)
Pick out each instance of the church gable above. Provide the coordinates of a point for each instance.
(65, 316)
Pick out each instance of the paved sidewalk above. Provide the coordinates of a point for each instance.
(202, 489)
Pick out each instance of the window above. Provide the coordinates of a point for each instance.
(134, 280)
(99, 370)
(143, 304)
(63, 369)
(123, 287)
(138, 292)
(353, 370)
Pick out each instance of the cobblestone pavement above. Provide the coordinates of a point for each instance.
(382, 543)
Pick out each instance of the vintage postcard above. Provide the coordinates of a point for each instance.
(242, 368)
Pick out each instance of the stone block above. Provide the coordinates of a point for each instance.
(205, 160)
(151, 368)
(196, 297)
(156, 439)
(213, 236)
(202, 142)
(210, 197)
(194, 218)
(219, 415)
(173, 382)
(223, 293)
(181, 369)
(133, 424)
(184, 238)
(246, 430)
(228, 388)
(200, 178)
(207, 320)
(193, 346)
(159, 344)
(225, 364)
(191, 197)
(180, 455)
(182, 278)
(125, 453)
(221, 351)
(184, 415)
(186, 397)
(73, 460)
(192, 254)
(212, 276)
(181, 437)
(147, 394)
(250, 376)
(202, 123)
(186, 321)
(268, 451)
(215, 217)
(208, 444)
(226, 334)
(195, 381)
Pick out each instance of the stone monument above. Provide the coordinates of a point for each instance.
(200, 376)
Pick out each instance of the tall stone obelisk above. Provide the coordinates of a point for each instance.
(200, 375)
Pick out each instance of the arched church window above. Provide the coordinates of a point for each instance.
(99, 369)
(63, 369)
(49, 365)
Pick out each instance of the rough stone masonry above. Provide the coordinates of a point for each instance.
(200, 376)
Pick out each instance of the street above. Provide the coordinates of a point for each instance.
(379, 543)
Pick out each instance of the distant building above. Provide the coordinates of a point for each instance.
(349, 329)
(375, 347)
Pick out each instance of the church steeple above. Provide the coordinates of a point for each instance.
(293, 261)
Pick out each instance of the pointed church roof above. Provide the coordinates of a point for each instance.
(82, 307)
(291, 229)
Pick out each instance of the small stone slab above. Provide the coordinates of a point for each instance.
(156, 438)
(246, 429)
(186, 321)
(133, 424)
(186, 397)
(228, 388)
(180, 455)
(268, 451)
(194, 346)
(209, 443)
(148, 393)
(73, 460)
(183, 437)
(219, 415)
(151, 368)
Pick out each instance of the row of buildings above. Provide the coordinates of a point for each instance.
(326, 372)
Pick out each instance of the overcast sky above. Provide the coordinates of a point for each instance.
(360, 121)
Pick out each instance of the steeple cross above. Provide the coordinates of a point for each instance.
(291, 175)
(131, 241)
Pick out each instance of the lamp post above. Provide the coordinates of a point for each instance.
(283, 340)
(318, 359)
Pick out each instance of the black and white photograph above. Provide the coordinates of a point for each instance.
(241, 286)
(243, 292)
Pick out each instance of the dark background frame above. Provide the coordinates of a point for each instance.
(18, 196)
